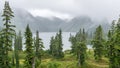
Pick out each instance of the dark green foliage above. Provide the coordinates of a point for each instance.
(51, 51)
(29, 48)
(56, 45)
(114, 45)
(117, 44)
(8, 33)
(1, 51)
(110, 46)
(79, 46)
(19, 37)
(16, 50)
(33, 53)
(73, 40)
(38, 44)
(60, 44)
(98, 43)
(81, 51)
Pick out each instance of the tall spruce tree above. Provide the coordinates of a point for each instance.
(81, 48)
(60, 44)
(116, 43)
(56, 45)
(78, 47)
(72, 39)
(8, 33)
(38, 48)
(81, 53)
(20, 41)
(29, 48)
(16, 51)
(51, 45)
(110, 47)
(97, 43)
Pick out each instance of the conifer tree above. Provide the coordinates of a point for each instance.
(56, 45)
(29, 48)
(116, 43)
(60, 44)
(72, 39)
(38, 48)
(110, 47)
(8, 33)
(79, 46)
(16, 51)
(20, 41)
(1, 51)
(51, 45)
(81, 53)
(97, 43)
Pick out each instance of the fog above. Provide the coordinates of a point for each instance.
(96, 9)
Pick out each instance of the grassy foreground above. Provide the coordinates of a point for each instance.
(69, 61)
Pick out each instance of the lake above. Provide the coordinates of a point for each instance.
(46, 36)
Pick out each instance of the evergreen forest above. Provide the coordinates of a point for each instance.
(31, 53)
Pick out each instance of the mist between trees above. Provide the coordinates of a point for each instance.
(105, 48)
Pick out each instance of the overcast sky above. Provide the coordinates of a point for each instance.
(96, 9)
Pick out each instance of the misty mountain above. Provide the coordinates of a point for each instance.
(76, 23)
(23, 17)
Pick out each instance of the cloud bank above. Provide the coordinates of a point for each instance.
(96, 9)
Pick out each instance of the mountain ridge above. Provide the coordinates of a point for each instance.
(42, 24)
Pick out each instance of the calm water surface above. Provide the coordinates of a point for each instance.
(46, 36)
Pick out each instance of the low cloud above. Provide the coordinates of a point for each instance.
(96, 9)
(49, 14)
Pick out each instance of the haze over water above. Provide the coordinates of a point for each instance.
(46, 36)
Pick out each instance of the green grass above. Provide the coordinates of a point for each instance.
(69, 61)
